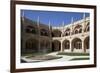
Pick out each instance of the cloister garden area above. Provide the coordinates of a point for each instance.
(54, 56)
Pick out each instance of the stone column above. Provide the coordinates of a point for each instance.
(50, 45)
(70, 47)
(50, 36)
(72, 22)
(23, 45)
(84, 21)
(83, 46)
(62, 50)
(38, 24)
(71, 50)
(83, 27)
(39, 45)
(71, 30)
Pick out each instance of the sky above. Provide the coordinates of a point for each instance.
(54, 17)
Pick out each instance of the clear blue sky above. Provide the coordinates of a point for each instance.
(55, 18)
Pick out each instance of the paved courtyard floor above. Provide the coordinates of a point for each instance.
(63, 58)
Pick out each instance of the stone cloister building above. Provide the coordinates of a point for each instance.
(38, 37)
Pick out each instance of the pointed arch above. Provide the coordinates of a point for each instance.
(67, 32)
(56, 33)
(87, 28)
(77, 29)
(31, 29)
(32, 44)
(56, 45)
(66, 44)
(44, 32)
(86, 43)
(76, 43)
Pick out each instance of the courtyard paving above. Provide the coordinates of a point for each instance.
(63, 58)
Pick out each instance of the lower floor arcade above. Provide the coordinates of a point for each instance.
(45, 45)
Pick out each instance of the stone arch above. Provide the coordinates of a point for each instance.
(76, 43)
(56, 33)
(44, 45)
(77, 29)
(80, 30)
(44, 32)
(56, 45)
(87, 28)
(86, 43)
(31, 29)
(66, 44)
(67, 32)
(32, 45)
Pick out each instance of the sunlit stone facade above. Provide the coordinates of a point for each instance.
(37, 37)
